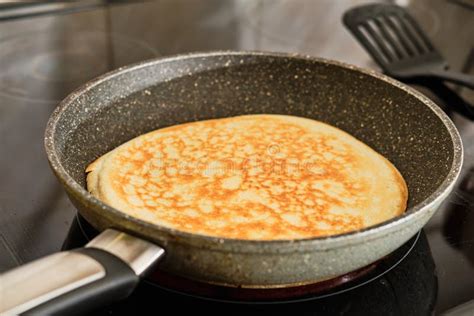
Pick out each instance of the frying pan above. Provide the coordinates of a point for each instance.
(400, 123)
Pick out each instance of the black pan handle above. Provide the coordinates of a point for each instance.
(73, 282)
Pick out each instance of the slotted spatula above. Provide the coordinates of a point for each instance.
(398, 44)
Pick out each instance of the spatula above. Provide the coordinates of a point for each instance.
(399, 45)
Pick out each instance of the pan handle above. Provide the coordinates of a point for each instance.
(106, 270)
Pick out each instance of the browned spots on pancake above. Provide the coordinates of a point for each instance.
(252, 180)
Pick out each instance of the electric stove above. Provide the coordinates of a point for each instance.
(47, 50)
(385, 286)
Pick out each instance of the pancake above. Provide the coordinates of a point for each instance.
(260, 177)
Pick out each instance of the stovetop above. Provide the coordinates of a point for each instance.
(43, 57)
(390, 278)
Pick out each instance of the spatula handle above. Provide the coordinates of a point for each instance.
(455, 77)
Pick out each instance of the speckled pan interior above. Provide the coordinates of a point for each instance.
(398, 122)
(387, 118)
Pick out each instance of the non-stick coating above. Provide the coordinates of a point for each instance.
(399, 123)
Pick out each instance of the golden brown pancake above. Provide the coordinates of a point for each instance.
(257, 177)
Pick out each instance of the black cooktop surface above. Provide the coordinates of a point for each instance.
(404, 283)
(44, 56)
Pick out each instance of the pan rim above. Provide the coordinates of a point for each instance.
(244, 245)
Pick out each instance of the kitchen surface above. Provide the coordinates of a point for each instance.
(47, 52)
